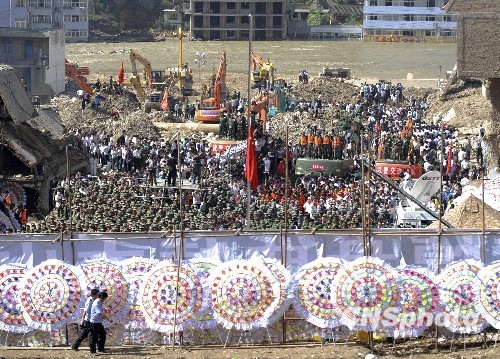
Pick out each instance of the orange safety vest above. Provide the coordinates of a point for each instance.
(24, 216)
(326, 140)
(303, 140)
(318, 141)
(7, 201)
(336, 141)
(310, 139)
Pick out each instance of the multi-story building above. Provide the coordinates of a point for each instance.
(229, 20)
(408, 20)
(38, 58)
(71, 15)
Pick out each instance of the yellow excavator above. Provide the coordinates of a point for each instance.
(262, 71)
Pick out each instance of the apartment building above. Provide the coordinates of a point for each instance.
(408, 20)
(70, 15)
(38, 58)
(229, 20)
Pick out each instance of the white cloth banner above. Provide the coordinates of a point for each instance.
(418, 249)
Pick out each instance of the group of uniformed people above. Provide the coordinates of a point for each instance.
(322, 145)
(233, 127)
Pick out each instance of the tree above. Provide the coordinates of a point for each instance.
(317, 17)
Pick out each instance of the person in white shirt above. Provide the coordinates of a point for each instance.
(85, 320)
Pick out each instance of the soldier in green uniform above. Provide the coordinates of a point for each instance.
(231, 128)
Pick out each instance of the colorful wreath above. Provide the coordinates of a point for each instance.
(418, 301)
(11, 317)
(244, 294)
(157, 296)
(314, 286)
(365, 288)
(459, 287)
(51, 293)
(108, 277)
(487, 303)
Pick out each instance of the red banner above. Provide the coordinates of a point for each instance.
(392, 170)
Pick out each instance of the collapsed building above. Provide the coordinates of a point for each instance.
(478, 44)
(33, 146)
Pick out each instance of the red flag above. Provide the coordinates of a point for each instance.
(450, 158)
(121, 74)
(164, 101)
(251, 164)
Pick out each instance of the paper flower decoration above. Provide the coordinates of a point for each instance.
(459, 287)
(107, 276)
(314, 286)
(487, 303)
(365, 288)
(134, 269)
(11, 317)
(244, 294)
(284, 278)
(51, 293)
(418, 301)
(158, 292)
(203, 319)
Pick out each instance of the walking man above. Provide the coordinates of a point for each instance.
(96, 318)
(85, 321)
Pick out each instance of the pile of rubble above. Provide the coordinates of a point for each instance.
(114, 114)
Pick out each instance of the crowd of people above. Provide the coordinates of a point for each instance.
(132, 183)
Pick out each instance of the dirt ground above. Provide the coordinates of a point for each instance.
(330, 350)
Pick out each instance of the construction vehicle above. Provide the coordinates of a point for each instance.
(78, 74)
(264, 73)
(178, 81)
(260, 105)
(210, 110)
(341, 73)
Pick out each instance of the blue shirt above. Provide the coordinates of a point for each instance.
(87, 308)
(96, 312)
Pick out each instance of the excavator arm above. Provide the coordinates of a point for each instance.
(220, 81)
(256, 59)
(134, 56)
(78, 75)
(264, 72)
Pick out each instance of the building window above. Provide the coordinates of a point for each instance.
(198, 6)
(41, 19)
(230, 34)
(373, 3)
(41, 3)
(68, 4)
(21, 23)
(408, 17)
(7, 46)
(430, 18)
(409, 3)
(447, 18)
(21, 3)
(172, 17)
(28, 50)
(230, 20)
(431, 3)
(372, 17)
(245, 20)
(388, 2)
(75, 18)
(408, 33)
(244, 34)
(76, 33)
(231, 6)
(245, 5)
